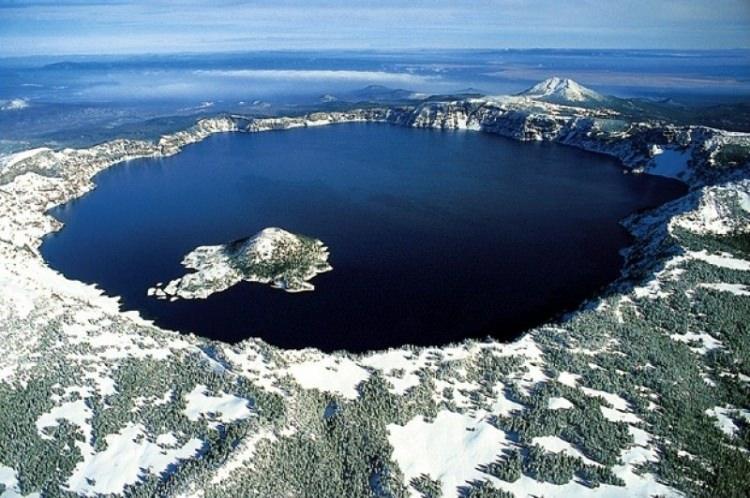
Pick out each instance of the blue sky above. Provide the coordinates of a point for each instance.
(158, 26)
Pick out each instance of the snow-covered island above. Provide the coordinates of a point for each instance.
(285, 260)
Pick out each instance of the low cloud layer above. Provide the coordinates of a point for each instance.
(318, 75)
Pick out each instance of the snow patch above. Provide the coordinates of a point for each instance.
(707, 341)
(397, 360)
(568, 379)
(449, 449)
(225, 407)
(619, 416)
(241, 456)
(502, 405)
(736, 289)
(725, 416)
(559, 403)
(554, 444)
(9, 480)
(75, 412)
(330, 374)
(722, 260)
(613, 399)
(722, 209)
(128, 457)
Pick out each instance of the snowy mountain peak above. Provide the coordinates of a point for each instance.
(562, 90)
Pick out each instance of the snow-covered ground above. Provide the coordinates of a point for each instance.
(224, 407)
(725, 417)
(330, 374)
(142, 401)
(449, 448)
(128, 456)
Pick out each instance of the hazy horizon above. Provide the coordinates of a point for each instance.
(673, 51)
(138, 27)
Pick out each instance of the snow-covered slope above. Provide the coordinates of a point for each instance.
(633, 395)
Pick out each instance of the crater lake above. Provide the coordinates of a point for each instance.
(434, 236)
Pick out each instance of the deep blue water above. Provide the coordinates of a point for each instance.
(434, 236)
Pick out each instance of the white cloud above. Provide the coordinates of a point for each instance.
(317, 75)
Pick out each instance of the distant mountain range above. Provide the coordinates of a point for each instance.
(373, 93)
(553, 90)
